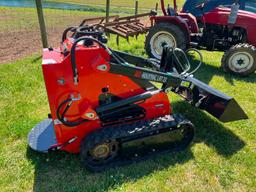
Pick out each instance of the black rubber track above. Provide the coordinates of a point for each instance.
(118, 132)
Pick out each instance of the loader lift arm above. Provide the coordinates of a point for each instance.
(195, 92)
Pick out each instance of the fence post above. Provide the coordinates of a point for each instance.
(41, 23)
(136, 7)
(107, 10)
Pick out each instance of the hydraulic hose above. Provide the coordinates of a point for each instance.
(186, 72)
(200, 58)
(61, 117)
(64, 35)
(73, 57)
(177, 59)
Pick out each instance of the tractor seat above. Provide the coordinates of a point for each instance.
(171, 11)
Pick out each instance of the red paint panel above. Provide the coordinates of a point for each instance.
(246, 20)
(58, 77)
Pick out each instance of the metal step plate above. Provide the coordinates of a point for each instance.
(42, 136)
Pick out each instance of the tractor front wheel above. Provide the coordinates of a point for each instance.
(240, 60)
(164, 34)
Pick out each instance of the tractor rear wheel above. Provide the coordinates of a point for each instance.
(164, 34)
(240, 60)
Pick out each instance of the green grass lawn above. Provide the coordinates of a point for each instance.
(20, 19)
(148, 4)
(221, 158)
(14, 19)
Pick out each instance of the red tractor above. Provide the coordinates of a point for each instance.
(228, 29)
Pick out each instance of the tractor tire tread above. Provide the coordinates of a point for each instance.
(179, 35)
(237, 47)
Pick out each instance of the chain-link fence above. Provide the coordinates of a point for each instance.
(19, 31)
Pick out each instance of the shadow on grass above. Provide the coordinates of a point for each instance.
(64, 172)
(210, 131)
(207, 72)
(60, 171)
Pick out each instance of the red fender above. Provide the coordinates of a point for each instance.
(186, 22)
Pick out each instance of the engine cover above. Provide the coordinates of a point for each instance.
(96, 87)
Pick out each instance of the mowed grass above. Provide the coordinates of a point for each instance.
(16, 19)
(13, 19)
(221, 158)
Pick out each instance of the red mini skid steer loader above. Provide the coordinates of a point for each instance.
(221, 28)
(104, 106)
